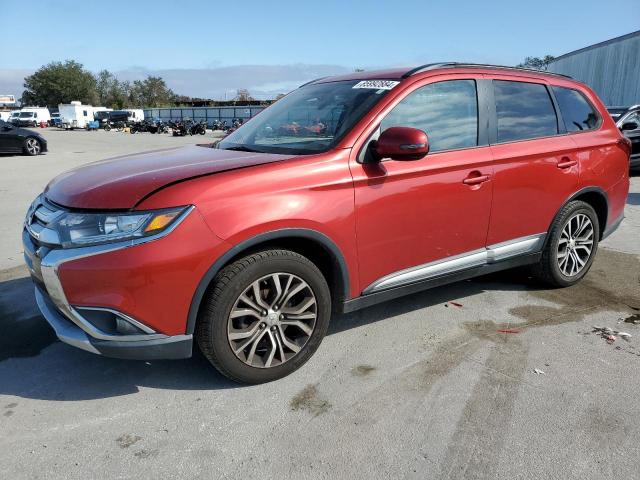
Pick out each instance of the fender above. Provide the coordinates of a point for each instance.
(321, 238)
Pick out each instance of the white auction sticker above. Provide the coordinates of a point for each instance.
(377, 84)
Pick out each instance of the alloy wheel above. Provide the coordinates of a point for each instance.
(575, 245)
(272, 320)
(33, 146)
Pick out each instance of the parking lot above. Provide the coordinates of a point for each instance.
(494, 377)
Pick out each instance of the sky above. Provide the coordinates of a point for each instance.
(210, 49)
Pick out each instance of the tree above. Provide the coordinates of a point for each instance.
(243, 95)
(105, 84)
(151, 92)
(537, 63)
(59, 82)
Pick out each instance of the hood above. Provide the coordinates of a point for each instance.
(122, 182)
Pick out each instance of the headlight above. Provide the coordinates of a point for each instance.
(82, 229)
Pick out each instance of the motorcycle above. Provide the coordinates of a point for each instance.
(178, 129)
(119, 126)
(220, 125)
(198, 128)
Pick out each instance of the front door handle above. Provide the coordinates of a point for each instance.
(476, 178)
(566, 162)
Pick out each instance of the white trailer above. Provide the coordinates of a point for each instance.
(135, 114)
(74, 115)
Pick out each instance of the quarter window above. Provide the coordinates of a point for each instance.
(524, 111)
(446, 111)
(577, 113)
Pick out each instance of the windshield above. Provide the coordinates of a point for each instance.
(309, 120)
(26, 114)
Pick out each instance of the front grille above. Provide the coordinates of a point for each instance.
(40, 217)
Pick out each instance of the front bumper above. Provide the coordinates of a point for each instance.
(124, 300)
(174, 347)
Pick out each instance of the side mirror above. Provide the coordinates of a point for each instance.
(629, 126)
(402, 143)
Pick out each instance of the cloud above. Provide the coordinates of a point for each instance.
(262, 81)
(11, 81)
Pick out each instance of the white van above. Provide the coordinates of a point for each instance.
(5, 115)
(31, 117)
(75, 115)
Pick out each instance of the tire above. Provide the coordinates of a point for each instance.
(270, 361)
(32, 146)
(556, 269)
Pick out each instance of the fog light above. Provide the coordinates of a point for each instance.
(125, 328)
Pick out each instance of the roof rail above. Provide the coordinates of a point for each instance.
(314, 80)
(433, 66)
(426, 67)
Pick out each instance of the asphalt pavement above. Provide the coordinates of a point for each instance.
(440, 384)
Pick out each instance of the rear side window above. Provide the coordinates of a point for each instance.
(577, 113)
(446, 111)
(524, 111)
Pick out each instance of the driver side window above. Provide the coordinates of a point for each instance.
(446, 111)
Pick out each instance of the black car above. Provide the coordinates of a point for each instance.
(629, 123)
(615, 112)
(20, 140)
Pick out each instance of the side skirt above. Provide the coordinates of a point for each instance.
(389, 294)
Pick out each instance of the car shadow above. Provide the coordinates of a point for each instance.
(35, 364)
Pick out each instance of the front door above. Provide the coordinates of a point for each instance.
(412, 213)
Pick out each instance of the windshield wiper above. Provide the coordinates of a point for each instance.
(242, 148)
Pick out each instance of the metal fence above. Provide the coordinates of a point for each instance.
(210, 114)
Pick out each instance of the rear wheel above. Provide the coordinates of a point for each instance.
(571, 246)
(264, 316)
(32, 146)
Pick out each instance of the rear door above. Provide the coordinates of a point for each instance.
(411, 213)
(535, 163)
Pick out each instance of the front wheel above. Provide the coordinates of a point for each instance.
(264, 316)
(571, 246)
(32, 146)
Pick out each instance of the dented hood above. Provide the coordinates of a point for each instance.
(122, 182)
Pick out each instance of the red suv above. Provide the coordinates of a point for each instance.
(347, 192)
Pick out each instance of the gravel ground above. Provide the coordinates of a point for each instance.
(413, 388)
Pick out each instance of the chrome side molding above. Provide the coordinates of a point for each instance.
(491, 254)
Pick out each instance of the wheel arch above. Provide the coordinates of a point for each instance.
(316, 246)
(598, 199)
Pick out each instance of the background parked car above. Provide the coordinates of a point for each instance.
(615, 112)
(20, 140)
(55, 119)
(629, 123)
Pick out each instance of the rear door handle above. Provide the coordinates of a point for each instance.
(476, 178)
(566, 162)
